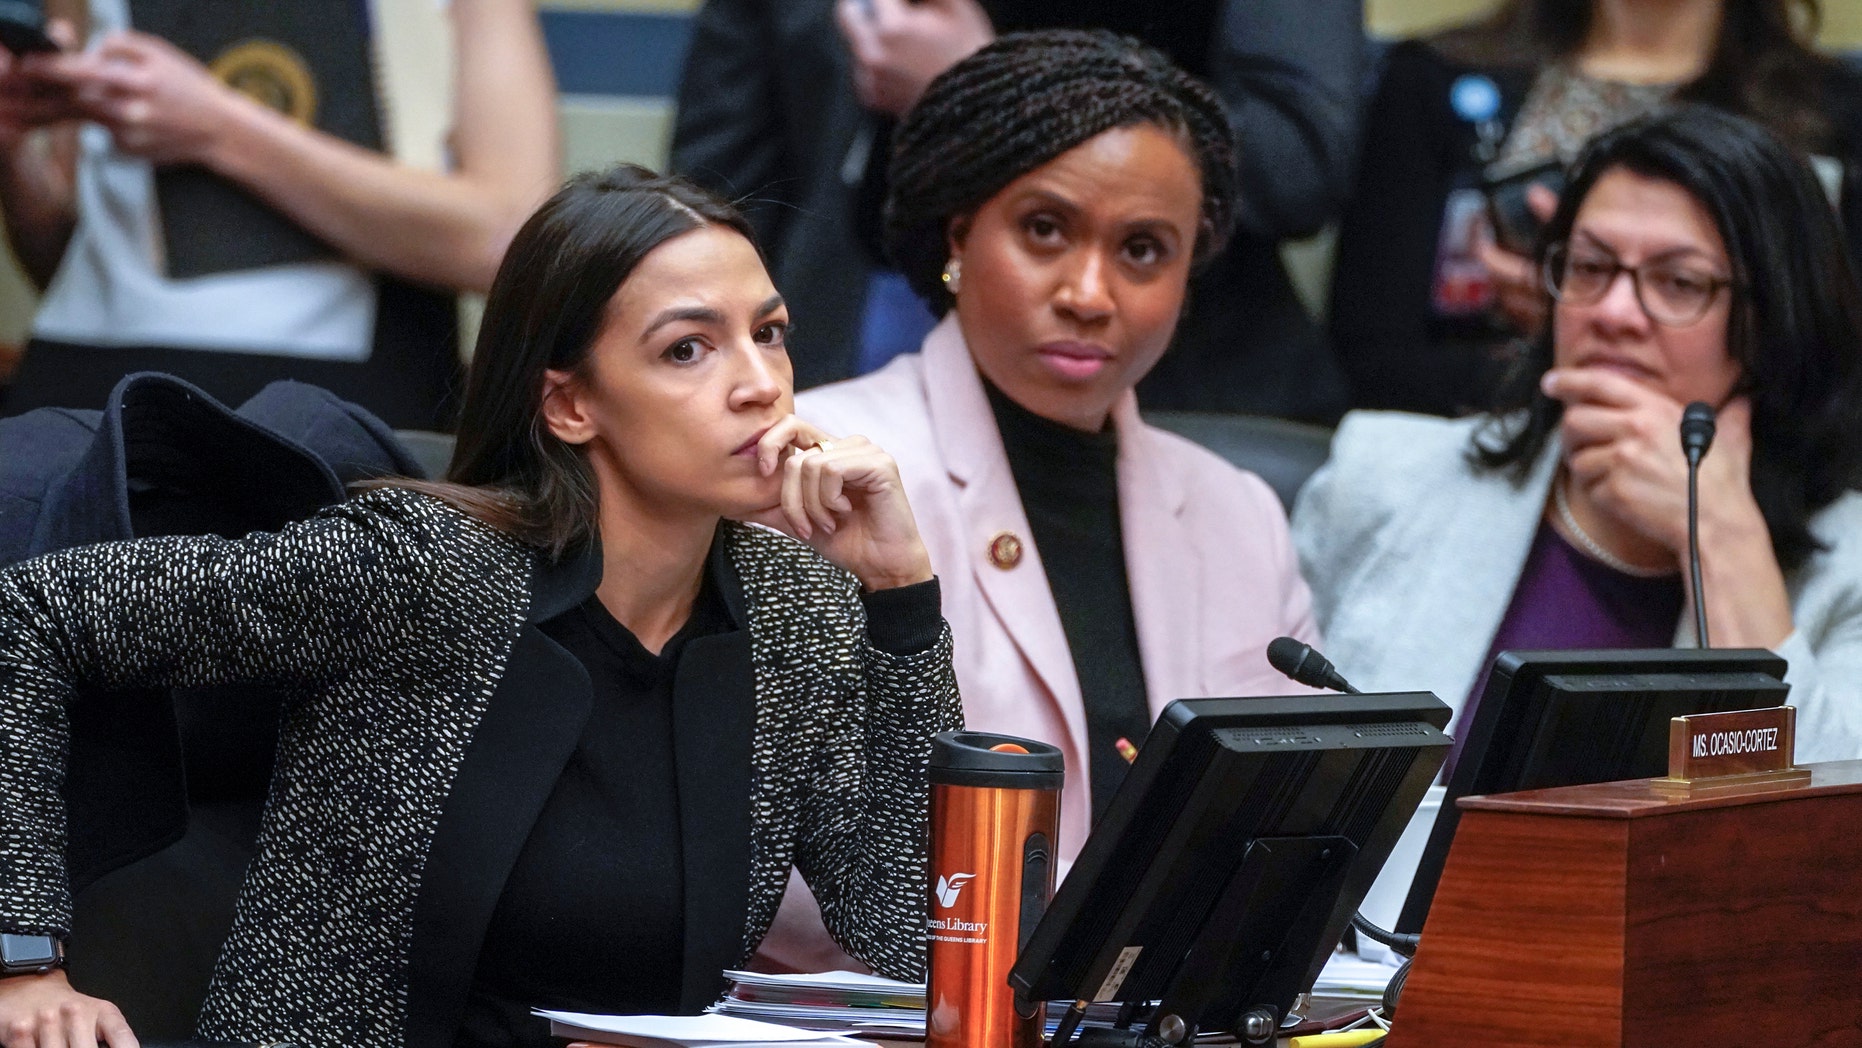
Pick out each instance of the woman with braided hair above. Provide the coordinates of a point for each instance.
(1051, 196)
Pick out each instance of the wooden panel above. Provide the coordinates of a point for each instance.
(1527, 922)
(1746, 916)
(1607, 915)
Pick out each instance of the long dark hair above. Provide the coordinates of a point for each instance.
(1795, 326)
(545, 310)
(1764, 63)
(1023, 100)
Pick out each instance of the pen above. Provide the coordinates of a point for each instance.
(1351, 1039)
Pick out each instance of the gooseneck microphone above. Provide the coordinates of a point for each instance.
(1696, 438)
(1305, 665)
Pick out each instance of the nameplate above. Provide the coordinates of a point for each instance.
(1745, 747)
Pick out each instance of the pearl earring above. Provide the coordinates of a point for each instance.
(953, 276)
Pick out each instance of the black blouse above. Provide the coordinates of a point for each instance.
(592, 917)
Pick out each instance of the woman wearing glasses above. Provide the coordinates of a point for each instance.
(1694, 258)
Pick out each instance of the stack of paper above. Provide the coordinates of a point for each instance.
(847, 1001)
(686, 1031)
(1348, 975)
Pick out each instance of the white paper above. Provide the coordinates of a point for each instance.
(694, 1029)
(1348, 975)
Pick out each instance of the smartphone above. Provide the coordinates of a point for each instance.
(22, 28)
(1515, 227)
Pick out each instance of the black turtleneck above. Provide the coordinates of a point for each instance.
(1068, 480)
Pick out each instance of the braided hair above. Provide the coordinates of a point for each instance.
(1020, 102)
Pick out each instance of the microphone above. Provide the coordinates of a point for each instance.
(1696, 431)
(1696, 438)
(1304, 664)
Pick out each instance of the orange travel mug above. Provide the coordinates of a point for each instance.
(995, 809)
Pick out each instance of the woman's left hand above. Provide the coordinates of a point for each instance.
(843, 496)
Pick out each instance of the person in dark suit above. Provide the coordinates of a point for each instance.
(559, 725)
(774, 108)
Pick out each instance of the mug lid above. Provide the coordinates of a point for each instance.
(961, 752)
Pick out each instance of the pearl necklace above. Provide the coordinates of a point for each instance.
(1591, 546)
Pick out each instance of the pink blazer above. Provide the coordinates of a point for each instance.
(1212, 569)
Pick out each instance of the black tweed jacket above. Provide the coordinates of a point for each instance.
(429, 720)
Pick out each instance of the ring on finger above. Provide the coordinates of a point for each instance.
(822, 445)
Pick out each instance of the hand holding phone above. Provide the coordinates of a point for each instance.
(22, 29)
(1516, 221)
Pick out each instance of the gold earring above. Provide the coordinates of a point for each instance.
(953, 276)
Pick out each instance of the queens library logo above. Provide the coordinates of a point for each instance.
(948, 888)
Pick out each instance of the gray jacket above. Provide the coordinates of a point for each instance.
(1412, 556)
(429, 719)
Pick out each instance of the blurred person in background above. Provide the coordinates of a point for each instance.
(1694, 257)
(1051, 196)
(235, 199)
(1429, 312)
(805, 139)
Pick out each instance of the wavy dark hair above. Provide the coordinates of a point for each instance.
(1020, 102)
(1764, 63)
(1795, 326)
(546, 308)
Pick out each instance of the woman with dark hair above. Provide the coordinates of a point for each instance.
(1431, 304)
(560, 724)
(1694, 257)
(1051, 195)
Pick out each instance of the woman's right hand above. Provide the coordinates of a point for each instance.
(43, 1011)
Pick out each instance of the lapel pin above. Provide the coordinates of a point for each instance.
(1005, 550)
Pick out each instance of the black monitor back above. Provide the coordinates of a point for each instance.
(1233, 856)
(1568, 718)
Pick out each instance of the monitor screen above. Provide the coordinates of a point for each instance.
(1231, 859)
(1567, 718)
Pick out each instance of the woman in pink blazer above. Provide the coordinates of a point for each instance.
(1051, 196)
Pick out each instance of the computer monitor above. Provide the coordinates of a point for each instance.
(1231, 859)
(1567, 718)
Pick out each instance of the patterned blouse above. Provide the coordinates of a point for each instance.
(393, 617)
(1565, 109)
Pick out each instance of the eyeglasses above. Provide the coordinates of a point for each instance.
(1671, 293)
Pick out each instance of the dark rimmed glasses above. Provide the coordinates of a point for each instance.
(1673, 293)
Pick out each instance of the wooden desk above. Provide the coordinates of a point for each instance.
(1615, 915)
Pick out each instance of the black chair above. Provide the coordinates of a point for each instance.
(1280, 452)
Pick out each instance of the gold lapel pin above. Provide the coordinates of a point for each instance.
(1005, 550)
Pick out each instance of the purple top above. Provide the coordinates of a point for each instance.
(1566, 600)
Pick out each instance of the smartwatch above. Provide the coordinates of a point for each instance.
(30, 954)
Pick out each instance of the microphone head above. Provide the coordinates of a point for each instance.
(1286, 654)
(1696, 429)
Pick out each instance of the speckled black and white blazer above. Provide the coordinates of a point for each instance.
(429, 719)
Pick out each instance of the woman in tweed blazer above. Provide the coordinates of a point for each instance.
(629, 398)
